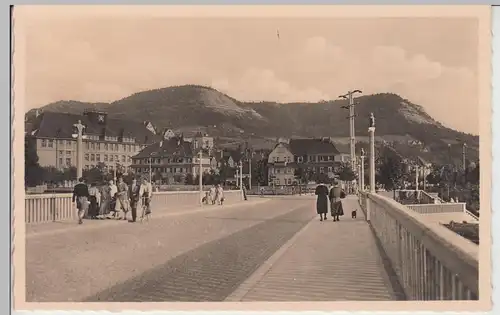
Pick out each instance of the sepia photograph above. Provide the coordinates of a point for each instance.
(252, 154)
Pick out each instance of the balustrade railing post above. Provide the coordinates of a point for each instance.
(53, 208)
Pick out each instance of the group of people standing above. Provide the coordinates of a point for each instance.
(330, 196)
(112, 201)
(215, 195)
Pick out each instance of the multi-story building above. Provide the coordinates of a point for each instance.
(314, 156)
(172, 158)
(109, 141)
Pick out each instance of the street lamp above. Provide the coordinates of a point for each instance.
(352, 131)
(79, 147)
(362, 167)
(200, 180)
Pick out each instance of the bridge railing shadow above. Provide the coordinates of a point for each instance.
(431, 262)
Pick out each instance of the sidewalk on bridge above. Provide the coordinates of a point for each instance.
(50, 228)
(325, 261)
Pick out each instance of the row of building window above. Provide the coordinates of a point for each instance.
(291, 170)
(286, 181)
(68, 162)
(300, 159)
(97, 158)
(112, 146)
(89, 145)
(91, 166)
(170, 160)
(165, 169)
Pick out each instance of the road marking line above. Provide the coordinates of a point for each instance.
(251, 282)
(108, 223)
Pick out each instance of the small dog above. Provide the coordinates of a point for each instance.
(353, 214)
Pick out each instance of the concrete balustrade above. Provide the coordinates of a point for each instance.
(438, 208)
(59, 207)
(431, 262)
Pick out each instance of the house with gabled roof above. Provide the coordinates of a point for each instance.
(314, 156)
(171, 157)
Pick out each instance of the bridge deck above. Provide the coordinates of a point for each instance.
(275, 250)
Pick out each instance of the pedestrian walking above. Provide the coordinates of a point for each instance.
(122, 201)
(81, 197)
(133, 194)
(321, 201)
(145, 193)
(113, 191)
(219, 195)
(105, 200)
(211, 194)
(335, 195)
(94, 201)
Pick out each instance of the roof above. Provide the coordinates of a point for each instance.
(300, 147)
(175, 146)
(60, 125)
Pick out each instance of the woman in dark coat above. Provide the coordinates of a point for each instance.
(336, 194)
(322, 201)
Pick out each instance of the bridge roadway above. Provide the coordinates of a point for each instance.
(264, 249)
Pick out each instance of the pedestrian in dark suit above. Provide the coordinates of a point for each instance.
(134, 198)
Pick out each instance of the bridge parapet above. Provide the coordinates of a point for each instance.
(430, 261)
(59, 207)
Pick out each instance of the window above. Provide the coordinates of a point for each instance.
(61, 142)
(106, 146)
(60, 161)
(44, 143)
(92, 157)
(289, 181)
(98, 146)
(68, 152)
(321, 170)
(111, 157)
(124, 158)
(61, 152)
(116, 147)
(68, 161)
(105, 157)
(86, 156)
(329, 169)
(117, 159)
(129, 159)
(98, 157)
(51, 143)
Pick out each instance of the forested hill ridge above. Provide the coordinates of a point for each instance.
(197, 107)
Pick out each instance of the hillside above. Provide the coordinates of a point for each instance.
(191, 107)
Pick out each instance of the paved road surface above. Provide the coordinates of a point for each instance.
(263, 250)
(206, 254)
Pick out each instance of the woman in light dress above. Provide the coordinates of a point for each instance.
(219, 194)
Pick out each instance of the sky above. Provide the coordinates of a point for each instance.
(432, 62)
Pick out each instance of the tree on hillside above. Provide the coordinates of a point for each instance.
(33, 172)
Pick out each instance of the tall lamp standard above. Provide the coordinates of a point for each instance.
(79, 147)
(352, 131)
(200, 179)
